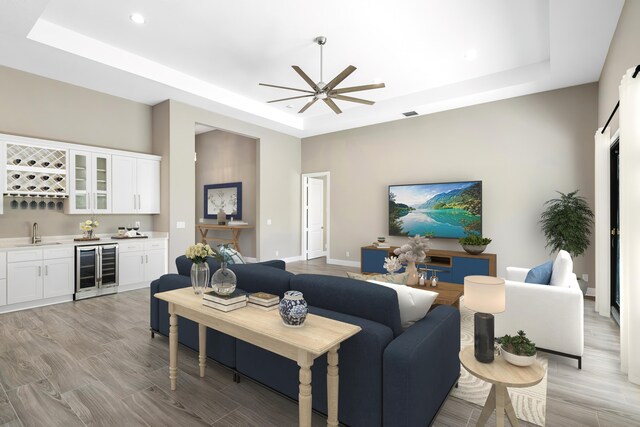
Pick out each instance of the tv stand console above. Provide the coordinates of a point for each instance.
(452, 266)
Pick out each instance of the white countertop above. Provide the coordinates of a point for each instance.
(20, 242)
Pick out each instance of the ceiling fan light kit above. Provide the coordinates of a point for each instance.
(326, 92)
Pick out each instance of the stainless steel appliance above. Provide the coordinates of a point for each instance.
(96, 270)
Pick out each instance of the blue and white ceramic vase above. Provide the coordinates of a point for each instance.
(293, 309)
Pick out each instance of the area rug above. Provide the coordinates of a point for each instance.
(529, 403)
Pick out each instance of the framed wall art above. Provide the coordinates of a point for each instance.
(227, 197)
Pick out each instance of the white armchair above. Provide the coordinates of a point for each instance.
(551, 316)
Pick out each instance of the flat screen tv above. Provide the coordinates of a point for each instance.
(447, 210)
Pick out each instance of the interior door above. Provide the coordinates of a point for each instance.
(615, 225)
(315, 218)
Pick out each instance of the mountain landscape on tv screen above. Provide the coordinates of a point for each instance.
(448, 210)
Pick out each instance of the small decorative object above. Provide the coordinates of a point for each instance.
(421, 282)
(392, 264)
(518, 350)
(198, 253)
(223, 281)
(474, 244)
(293, 309)
(412, 252)
(226, 197)
(566, 224)
(434, 278)
(87, 228)
(381, 239)
(222, 217)
(486, 296)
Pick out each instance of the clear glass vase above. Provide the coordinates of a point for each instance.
(223, 281)
(412, 273)
(199, 277)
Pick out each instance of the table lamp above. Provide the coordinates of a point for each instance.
(485, 295)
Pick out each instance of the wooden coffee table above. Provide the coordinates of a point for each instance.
(448, 293)
(500, 374)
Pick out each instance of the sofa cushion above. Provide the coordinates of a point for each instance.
(184, 265)
(562, 270)
(400, 279)
(261, 278)
(540, 274)
(231, 255)
(414, 304)
(352, 297)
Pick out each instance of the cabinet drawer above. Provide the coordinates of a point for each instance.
(55, 253)
(155, 244)
(3, 267)
(24, 255)
(130, 247)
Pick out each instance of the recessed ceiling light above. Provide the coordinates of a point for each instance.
(137, 18)
(470, 55)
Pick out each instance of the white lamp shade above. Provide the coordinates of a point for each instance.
(484, 294)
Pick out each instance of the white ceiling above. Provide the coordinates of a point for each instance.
(214, 54)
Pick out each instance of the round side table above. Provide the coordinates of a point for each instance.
(501, 375)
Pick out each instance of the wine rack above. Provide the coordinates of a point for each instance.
(36, 171)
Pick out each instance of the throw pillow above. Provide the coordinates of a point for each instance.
(562, 270)
(414, 304)
(540, 274)
(231, 256)
(400, 279)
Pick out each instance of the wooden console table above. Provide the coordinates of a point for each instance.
(265, 329)
(448, 293)
(234, 229)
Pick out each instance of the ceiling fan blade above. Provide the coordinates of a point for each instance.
(288, 88)
(339, 78)
(356, 88)
(351, 99)
(286, 99)
(305, 77)
(307, 105)
(333, 105)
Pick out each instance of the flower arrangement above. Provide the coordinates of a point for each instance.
(414, 251)
(392, 264)
(89, 225)
(199, 252)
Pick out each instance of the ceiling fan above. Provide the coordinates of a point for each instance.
(326, 92)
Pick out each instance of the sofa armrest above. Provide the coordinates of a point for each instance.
(166, 282)
(551, 316)
(275, 263)
(517, 274)
(419, 368)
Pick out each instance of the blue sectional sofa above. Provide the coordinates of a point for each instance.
(388, 377)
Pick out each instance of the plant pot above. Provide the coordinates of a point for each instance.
(474, 249)
(516, 359)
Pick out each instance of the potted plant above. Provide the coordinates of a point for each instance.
(474, 244)
(518, 350)
(566, 223)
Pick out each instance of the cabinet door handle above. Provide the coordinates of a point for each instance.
(134, 202)
(39, 271)
(147, 258)
(46, 270)
(139, 207)
(141, 259)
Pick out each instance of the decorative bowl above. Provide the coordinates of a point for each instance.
(381, 239)
(517, 360)
(474, 249)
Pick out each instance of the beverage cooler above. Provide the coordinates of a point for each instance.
(96, 270)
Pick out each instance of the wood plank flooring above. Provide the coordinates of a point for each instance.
(93, 363)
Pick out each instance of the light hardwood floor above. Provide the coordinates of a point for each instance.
(93, 362)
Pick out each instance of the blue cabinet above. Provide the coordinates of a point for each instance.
(452, 266)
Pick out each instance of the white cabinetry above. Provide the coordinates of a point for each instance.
(3, 278)
(36, 274)
(142, 262)
(90, 183)
(136, 185)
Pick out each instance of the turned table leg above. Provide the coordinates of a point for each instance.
(202, 343)
(173, 346)
(332, 387)
(304, 396)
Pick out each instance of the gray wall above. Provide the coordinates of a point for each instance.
(278, 179)
(523, 149)
(227, 157)
(623, 54)
(43, 108)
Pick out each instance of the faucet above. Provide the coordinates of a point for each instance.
(35, 239)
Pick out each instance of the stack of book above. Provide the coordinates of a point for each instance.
(233, 301)
(264, 301)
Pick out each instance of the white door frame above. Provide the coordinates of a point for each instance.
(327, 208)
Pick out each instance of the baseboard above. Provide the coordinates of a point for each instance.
(292, 259)
(343, 263)
(133, 287)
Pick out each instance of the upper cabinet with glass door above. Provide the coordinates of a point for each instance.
(90, 178)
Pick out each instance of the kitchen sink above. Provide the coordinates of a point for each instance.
(38, 244)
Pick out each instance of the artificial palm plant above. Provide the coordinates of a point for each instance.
(566, 223)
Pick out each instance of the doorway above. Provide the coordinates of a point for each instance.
(315, 215)
(614, 158)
